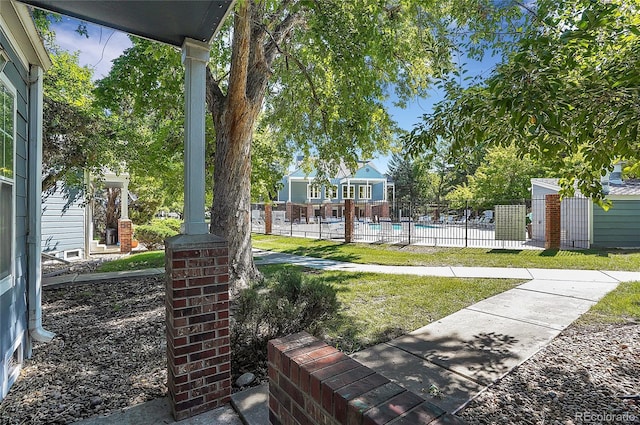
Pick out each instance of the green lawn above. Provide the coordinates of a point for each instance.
(619, 305)
(378, 307)
(430, 256)
(144, 260)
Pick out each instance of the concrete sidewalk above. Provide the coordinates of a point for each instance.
(447, 362)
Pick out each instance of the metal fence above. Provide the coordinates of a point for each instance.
(518, 224)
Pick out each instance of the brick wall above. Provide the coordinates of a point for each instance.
(552, 222)
(381, 210)
(327, 210)
(289, 212)
(125, 235)
(310, 212)
(312, 383)
(197, 305)
(268, 219)
(368, 211)
(349, 216)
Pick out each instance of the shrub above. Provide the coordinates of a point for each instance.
(153, 235)
(288, 302)
(172, 223)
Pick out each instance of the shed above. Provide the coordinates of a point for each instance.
(585, 224)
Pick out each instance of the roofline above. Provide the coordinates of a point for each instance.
(34, 54)
(230, 9)
(543, 184)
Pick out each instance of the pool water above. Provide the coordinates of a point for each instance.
(396, 226)
(375, 226)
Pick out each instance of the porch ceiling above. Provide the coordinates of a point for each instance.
(167, 21)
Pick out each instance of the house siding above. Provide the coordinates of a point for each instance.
(62, 230)
(13, 303)
(619, 227)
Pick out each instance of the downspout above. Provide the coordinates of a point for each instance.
(34, 204)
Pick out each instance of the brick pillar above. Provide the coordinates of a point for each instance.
(349, 214)
(125, 235)
(384, 210)
(289, 213)
(328, 210)
(368, 211)
(268, 219)
(552, 222)
(197, 319)
(310, 212)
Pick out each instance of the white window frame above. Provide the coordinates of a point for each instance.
(348, 191)
(367, 191)
(331, 191)
(313, 192)
(9, 281)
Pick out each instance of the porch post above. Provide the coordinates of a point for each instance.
(195, 55)
(197, 273)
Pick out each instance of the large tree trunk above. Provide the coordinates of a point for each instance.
(231, 214)
(234, 116)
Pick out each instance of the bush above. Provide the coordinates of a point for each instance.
(287, 303)
(153, 235)
(172, 223)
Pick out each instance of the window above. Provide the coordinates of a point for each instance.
(313, 192)
(7, 216)
(348, 191)
(364, 191)
(331, 192)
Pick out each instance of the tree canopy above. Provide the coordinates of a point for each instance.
(315, 75)
(567, 94)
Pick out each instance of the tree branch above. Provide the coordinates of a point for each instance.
(279, 34)
(215, 96)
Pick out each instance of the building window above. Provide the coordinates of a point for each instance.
(331, 192)
(313, 192)
(7, 208)
(364, 191)
(348, 191)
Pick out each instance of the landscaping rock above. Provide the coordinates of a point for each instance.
(245, 379)
(574, 380)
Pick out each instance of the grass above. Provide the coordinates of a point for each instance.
(378, 307)
(620, 305)
(434, 256)
(144, 260)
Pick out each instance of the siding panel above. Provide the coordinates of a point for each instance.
(13, 307)
(62, 230)
(619, 227)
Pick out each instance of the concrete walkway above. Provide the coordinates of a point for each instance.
(447, 362)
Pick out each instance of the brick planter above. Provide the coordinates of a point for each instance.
(312, 383)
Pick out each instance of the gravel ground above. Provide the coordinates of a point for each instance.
(574, 380)
(109, 353)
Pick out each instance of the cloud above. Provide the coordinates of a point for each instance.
(98, 50)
